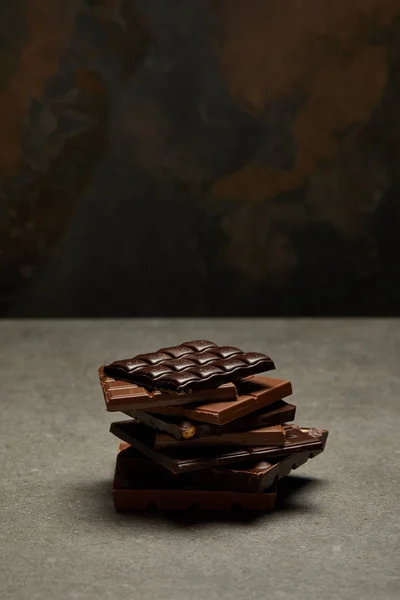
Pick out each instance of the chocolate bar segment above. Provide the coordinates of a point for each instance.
(254, 394)
(264, 436)
(189, 367)
(136, 498)
(253, 478)
(122, 395)
(142, 438)
(274, 414)
(181, 429)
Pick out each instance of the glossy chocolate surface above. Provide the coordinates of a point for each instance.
(189, 367)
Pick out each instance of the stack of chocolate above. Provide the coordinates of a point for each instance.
(205, 429)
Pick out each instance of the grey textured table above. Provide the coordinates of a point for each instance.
(335, 537)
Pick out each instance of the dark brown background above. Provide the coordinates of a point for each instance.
(164, 157)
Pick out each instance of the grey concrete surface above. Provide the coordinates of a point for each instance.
(336, 535)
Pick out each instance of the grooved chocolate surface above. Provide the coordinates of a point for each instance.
(142, 438)
(254, 393)
(124, 395)
(180, 428)
(189, 367)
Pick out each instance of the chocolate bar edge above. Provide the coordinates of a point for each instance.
(126, 500)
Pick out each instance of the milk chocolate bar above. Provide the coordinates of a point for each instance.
(124, 396)
(264, 436)
(142, 438)
(254, 393)
(181, 429)
(189, 367)
(127, 498)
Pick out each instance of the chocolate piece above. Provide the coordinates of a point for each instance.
(189, 367)
(253, 478)
(142, 438)
(122, 395)
(254, 393)
(276, 414)
(132, 464)
(264, 436)
(135, 498)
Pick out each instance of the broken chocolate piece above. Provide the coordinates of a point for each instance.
(142, 438)
(264, 436)
(275, 414)
(254, 393)
(124, 396)
(252, 478)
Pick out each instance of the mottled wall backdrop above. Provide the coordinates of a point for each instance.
(192, 157)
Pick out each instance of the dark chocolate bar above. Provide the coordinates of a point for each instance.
(135, 498)
(263, 436)
(275, 414)
(142, 438)
(124, 396)
(252, 478)
(189, 367)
